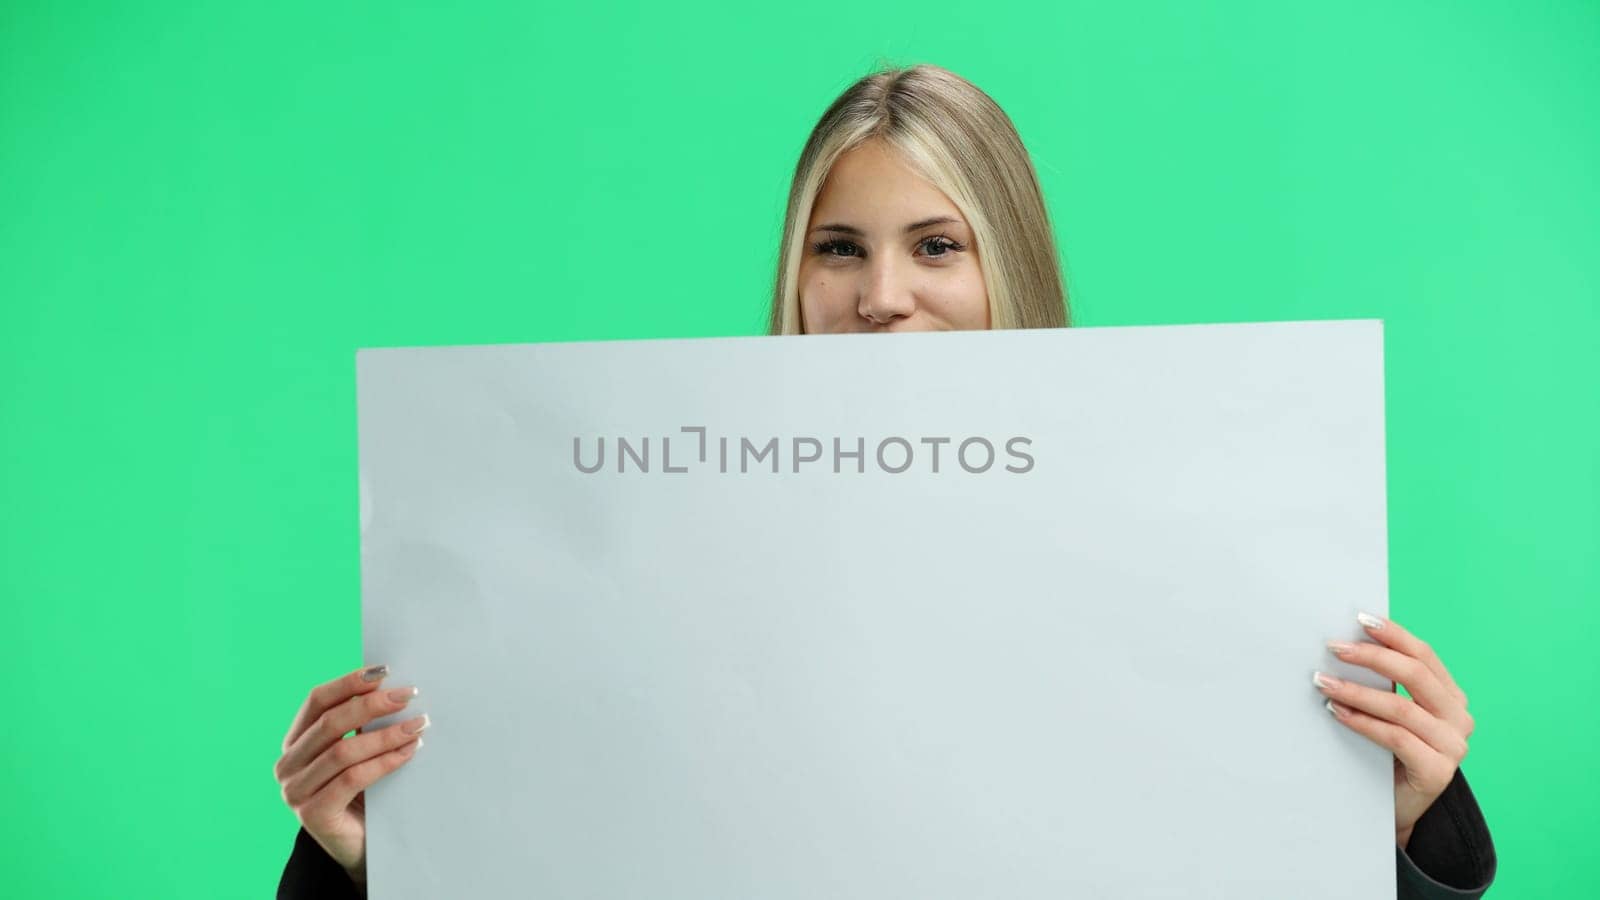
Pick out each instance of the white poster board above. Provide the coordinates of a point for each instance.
(1073, 660)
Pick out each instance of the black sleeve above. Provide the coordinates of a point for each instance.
(1450, 854)
(312, 874)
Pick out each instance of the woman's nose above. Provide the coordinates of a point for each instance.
(886, 295)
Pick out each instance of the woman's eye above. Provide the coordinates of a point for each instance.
(941, 246)
(936, 247)
(827, 248)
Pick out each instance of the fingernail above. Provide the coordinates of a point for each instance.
(1339, 710)
(411, 748)
(412, 726)
(1326, 682)
(1368, 620)
(1341, 648)
(402, 695)
(375, 673)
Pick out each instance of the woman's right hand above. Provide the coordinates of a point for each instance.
(323, 773)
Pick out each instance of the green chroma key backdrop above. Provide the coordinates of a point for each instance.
(206, 207)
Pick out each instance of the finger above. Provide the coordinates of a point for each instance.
(1418, 679)
(349, 752)
(1392, 707)
(335, 796)
(334, 724)
(1390, 633)
(1426, 769)
(331, 693)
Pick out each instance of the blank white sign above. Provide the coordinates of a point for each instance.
(1049, 633)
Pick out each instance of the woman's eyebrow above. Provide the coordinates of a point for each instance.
(842, 228)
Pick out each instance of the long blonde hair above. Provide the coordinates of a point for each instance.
(955, 136)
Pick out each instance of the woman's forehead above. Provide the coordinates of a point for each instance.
(872, 189)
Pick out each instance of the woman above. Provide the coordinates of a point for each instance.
(915, 207)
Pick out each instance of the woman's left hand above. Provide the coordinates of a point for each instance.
(1427, 732)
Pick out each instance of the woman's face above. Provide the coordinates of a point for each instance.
(887, 251)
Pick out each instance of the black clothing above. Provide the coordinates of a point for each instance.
(1450, 855)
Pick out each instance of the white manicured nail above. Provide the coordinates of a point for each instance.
(1369, 620)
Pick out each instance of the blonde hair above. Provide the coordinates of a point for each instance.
(955, 136)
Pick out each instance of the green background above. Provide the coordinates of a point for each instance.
(205, 208)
